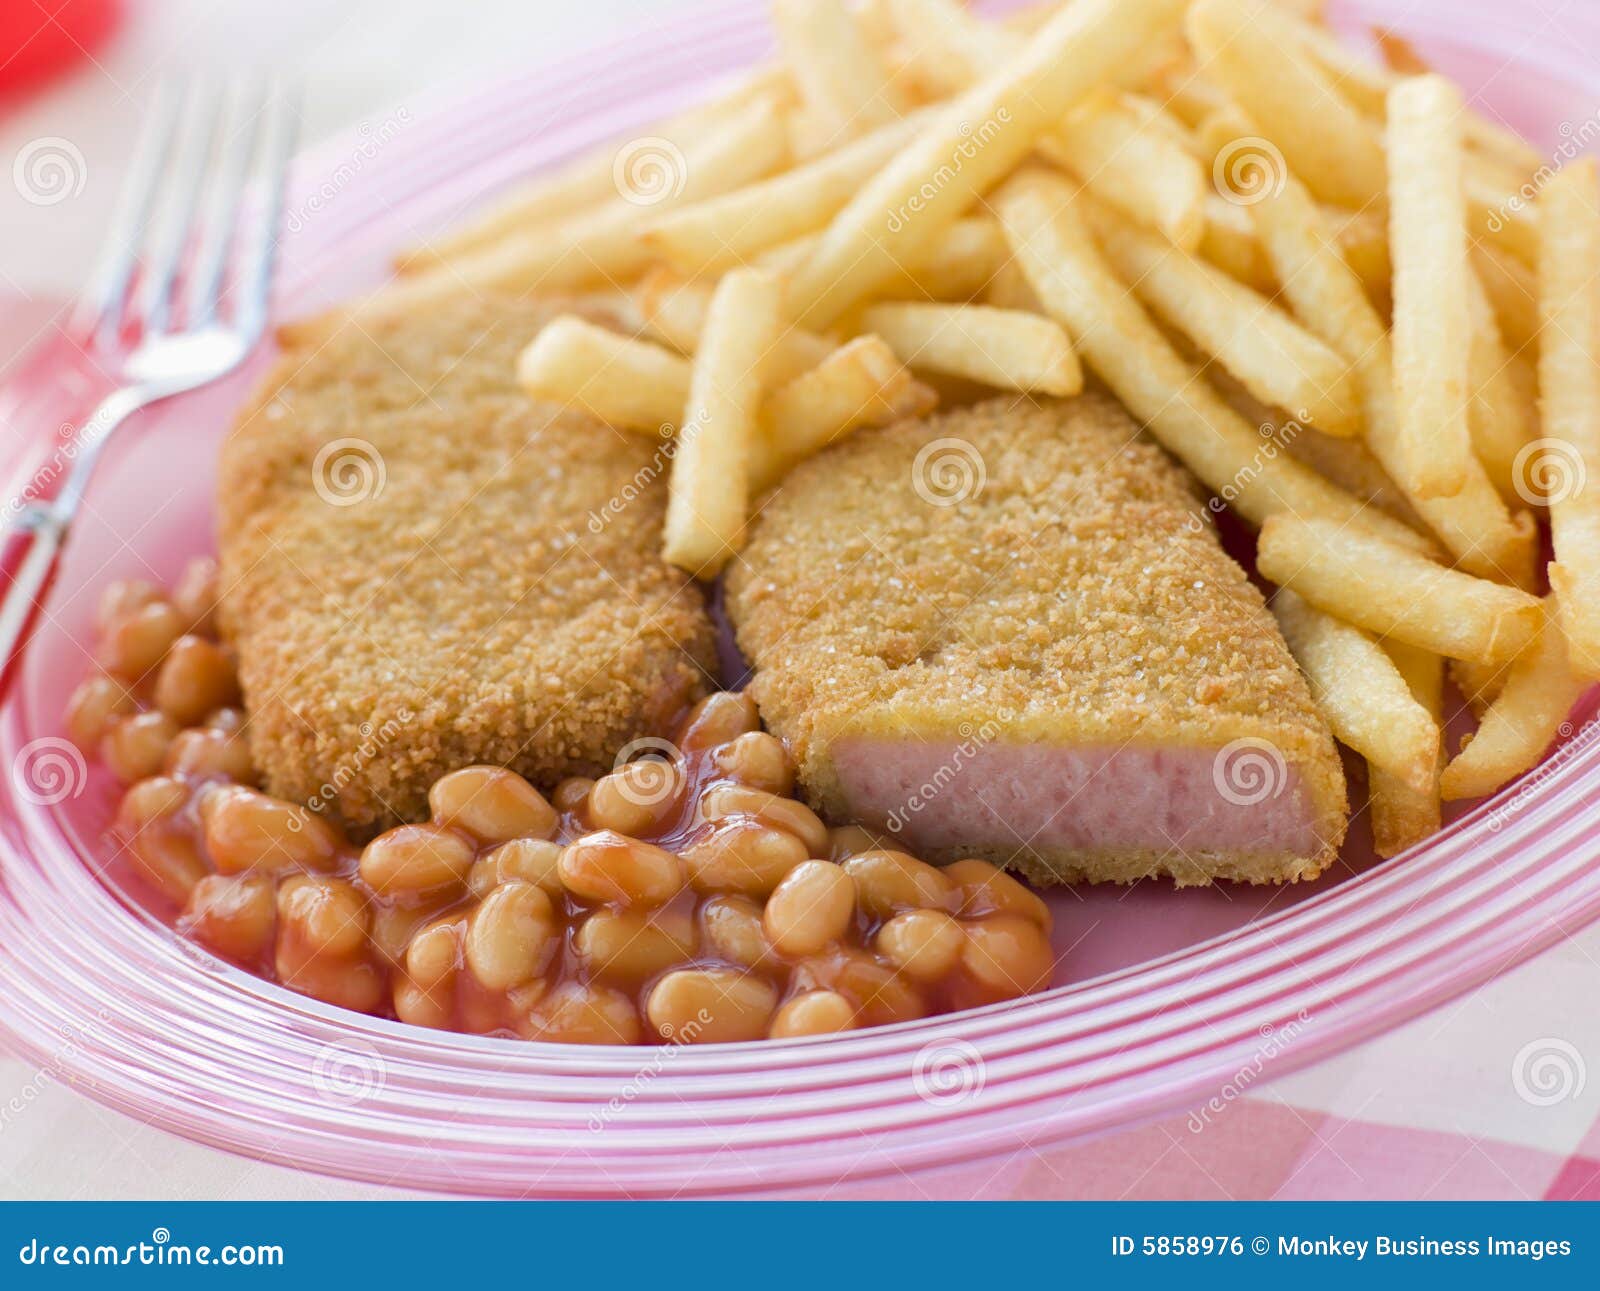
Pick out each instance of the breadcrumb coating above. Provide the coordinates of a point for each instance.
(423, 569)
(1071, 595)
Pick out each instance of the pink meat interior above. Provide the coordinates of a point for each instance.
(1094, 799)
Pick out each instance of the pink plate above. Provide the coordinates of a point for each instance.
(1163, 997)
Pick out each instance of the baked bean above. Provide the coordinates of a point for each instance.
(204, 753)
(139, 640)
(163, 852)
(421, 1007)
(325, 916)
(717, 719)
(1009, 954)
(121, 598)
(195, 594)
(393, 927)
(881, 995)
(985, 889)
(636, 798)
(630, 945)
(93, 704)
(924, 944)
(150, 800)
(136, 746)
(228, 720)
(758, 760)
(810, 909)
(510, 936)
(607, 866)
(346, 983)
(740, 855)
(845, 841)
(195, 678)
(572, 795)
(726, 800)
(888, 882)
(245, 830)
(710, 1006)
(414, 860)
(813, 1013)
(234, 915)
(532, 860)
(734, 932)
(434, 956)
(584, 1014)
(492, 804)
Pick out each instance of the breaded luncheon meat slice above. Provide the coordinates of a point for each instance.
(423, 569)
(1007, 632)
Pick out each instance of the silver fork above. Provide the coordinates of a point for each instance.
(158, 331)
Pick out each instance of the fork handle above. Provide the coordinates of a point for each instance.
(25, 588)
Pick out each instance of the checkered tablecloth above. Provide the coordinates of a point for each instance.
(1495, 1095)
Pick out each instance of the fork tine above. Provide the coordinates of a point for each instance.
(155, 288)
(255, 277)
(238, 134)
(100, 308)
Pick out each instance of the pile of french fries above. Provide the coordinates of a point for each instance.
(1236, 223)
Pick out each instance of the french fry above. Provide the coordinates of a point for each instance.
(709, 495)
(1348, 463)
(1391, 590)
(732, 228)
(590, 180)
(1479, 683)
(1539, 692)
(590, 249)
(1364, 242)
(862, 383)
(1428, 245)
(1499, 414)
(1251, 52)
(1367, 85)
(977, 140)
(844, 85)
(675, 312)
(1275, 358)
(1513, 290)
(1569, 393)
(1402, 815)
(956, 264)
(1003, 348)
(630, 384)
(1115, 338)
(950, 47)
(1228, 240)
(1134, 165)
(1484, 536)
(1361, 693)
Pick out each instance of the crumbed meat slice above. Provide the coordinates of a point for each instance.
(423, 569)
(1008, 632)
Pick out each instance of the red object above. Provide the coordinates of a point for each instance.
(41, 39)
